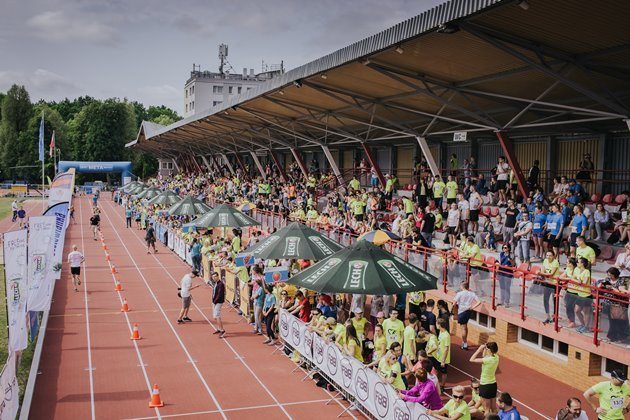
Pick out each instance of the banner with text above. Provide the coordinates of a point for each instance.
(16, 269)
(61, 188)
(377, 397)
(40, 262)
(10, 389)
(60, 211)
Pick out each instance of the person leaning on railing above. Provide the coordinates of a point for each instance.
(550, 267)
(615, 300)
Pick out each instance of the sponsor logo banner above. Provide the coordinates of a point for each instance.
(317, 274)
(40, 257)
(291, 246)
(392, 270)
(16, 271)
(319, 243)
(356, 275)
(265, 244)
(10, 390)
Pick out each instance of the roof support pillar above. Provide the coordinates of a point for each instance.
(283, 174)
(258, 165)
(333, 165)
(506, 145)
(298, 158)
(374, 163)
(227, 162)
(205, 162)
(428, 156)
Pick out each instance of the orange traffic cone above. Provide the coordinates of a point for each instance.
(114, 269)
(156, 401)
(118, 287)
(125, 306)
(136, 333)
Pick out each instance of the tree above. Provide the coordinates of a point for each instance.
(70, 108)
(156, 112)
(16, 112)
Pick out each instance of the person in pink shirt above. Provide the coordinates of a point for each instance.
(423, 392)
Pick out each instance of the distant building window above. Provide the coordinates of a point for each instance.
(484, 320)
(217, 89)
(230, 89)
(248, 89)
(539, 341)
(192, 90)
(192, 105)
(186, 107)
(239, 90)
(215, 103)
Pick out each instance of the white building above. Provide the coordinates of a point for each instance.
(205, 89)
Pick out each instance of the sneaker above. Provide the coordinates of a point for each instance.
(187, 319)
(223, 333)
(179, 321)
(267, 341)
(547, 321)
(217, 332)
(580, 329)
(464, 346)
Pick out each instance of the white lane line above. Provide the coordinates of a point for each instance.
(254, 407)
(135, 343)
(87, 320)
(239, 356)
(520, 402)
(157, 302)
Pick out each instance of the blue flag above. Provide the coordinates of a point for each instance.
(41, 139)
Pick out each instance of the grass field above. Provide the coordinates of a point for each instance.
(5, 206)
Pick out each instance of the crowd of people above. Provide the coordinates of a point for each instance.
(407, 338)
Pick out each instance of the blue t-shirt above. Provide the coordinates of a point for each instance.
(566, 216)
(128, 213)
(270, 300)
(512, 414)
(578, 223)
(539, 221)
(195, 249)
(259, 297)
(555, 222)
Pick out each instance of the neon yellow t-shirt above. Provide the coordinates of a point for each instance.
(611, 399)
(409, 342)
(311, 215)
(451, 189)
(357, 207)
(432, 346)
(444, 347)
(388, 370)
(408, 205)
(489, 367)
(550, 267)
(585, 278)
(586, 252)
(438, 189)
(393, 331)
(359, 326)
(461, 407)
(354, 184)
(476, 260)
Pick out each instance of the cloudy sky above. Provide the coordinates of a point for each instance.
(144, 49)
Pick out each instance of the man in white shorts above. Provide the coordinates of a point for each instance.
(75, 259)
(218, 298)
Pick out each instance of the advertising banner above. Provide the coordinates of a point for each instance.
(40, 262)
(230, 285)
(16, 271)
(370, 391)
(10, 389)
(61, 188)
(60, 211)
(276, 274)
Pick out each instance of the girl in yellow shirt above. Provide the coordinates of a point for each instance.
(584, 302)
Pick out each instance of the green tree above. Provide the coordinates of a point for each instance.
(155, 112)
(68, 109)
(16, 112)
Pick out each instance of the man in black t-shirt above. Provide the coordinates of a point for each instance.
(428, 225)
(150, 238)
(95, 222)
(510, 223)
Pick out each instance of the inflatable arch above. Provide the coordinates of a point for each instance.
(98, 167)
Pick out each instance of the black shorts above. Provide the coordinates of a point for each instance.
(75, 270)
(438, 366)
(474, 215)
(464, 317)
(488, 391)
(553, 241)
(501, 184)
(514, 187)
(572, 239)
(451, 230)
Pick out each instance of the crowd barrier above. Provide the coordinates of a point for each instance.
(525, 288)
(364, 388)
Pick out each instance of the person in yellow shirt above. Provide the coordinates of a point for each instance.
(389, 369)
(472, 253)
(451, 190)
(584, 301)
(438, 191)
(408, 206)
(351, 345)
(380, 343)
(612, 396)
(455, 409)
(359, 322)
(311, 216)
(409, 338)
(358, 208)
(354, 184)
(443, 358)
(394, 328)
(584, 251)
(570, 275)
(550, 272)
(489, 361)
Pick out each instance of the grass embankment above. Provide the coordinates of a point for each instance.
(27, 354)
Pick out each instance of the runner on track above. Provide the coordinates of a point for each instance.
(75, 259)
(185, 287)
(95, 222)
(150, 238)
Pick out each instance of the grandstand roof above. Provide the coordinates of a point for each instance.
(527, 66)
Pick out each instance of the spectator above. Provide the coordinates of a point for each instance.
(389, 369)
(438, 191)
(443, 358)
(540, 218)
(489, 361)
(507, 411)
(586, 168)
(185, 286)
(503, 170)
(444, 313)
(423, 392)
(623, 262)
(380, 343)
(573, 411)
(410, 337)
(615, 305)
(218, 298)
(428, 226)
(476, 402)
(393, 328)
(351, 345)
(455, 408)
(533, 174)
(454, 165)
(579, 226)
(475, 203)
(609, 399)
(523, 235)
(269, 315)
(510, 223)
(553, 229)
(466, 301)
(584, 301)
(601, 221)
(570, 276)
(452, 223)
(584, 251)
(258, 299)
(550, 267)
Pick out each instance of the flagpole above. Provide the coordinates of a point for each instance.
(43, 160)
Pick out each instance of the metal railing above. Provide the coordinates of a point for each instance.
(524, 289)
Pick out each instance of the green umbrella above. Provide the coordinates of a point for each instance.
(150, 193)
(364, 268)
(137, 189)
(166, 198)
(131, 185)
(189, 206)
(224, 216)
(295, 240)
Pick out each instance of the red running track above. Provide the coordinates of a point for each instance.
(91, 369)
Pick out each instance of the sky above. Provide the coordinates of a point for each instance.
(144, 49)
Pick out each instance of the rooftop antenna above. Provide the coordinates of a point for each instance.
(223, 53)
